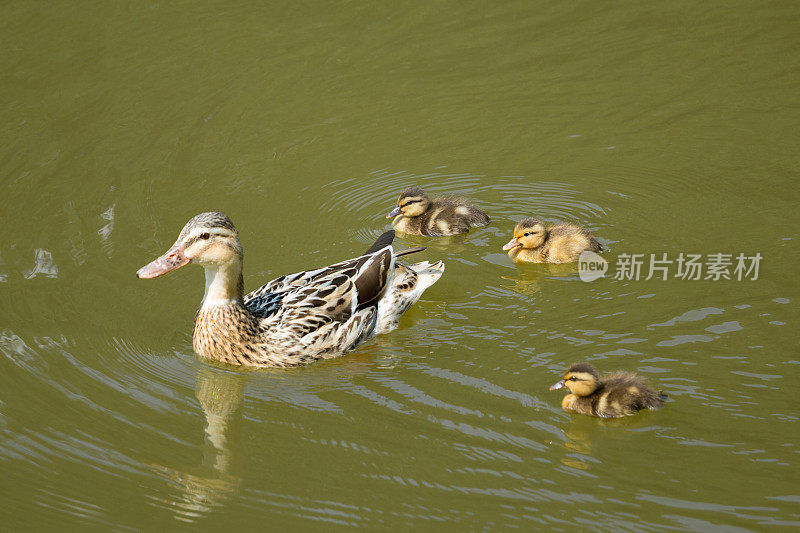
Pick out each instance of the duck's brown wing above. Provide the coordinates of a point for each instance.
(305, 302)
(292, 282)
(350, 268)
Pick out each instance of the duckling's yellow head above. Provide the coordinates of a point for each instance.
(209, 239)
(580, 378)
(412, 202)
(528, 233)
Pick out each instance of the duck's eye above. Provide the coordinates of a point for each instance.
(205, 236)
(527, 233)
(573, 378)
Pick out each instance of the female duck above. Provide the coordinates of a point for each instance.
(562, 243)
(297, 318)
(614, 396)
(417, 214)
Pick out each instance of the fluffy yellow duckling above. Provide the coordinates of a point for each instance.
(418, 214)
(562, 243)
(614, 396)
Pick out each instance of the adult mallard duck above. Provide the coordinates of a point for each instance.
(297, 318)
(613, 396)
(417, 214)
(562, 243)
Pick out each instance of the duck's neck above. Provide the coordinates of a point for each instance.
(224, 284)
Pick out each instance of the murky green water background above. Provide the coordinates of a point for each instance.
(664, 127)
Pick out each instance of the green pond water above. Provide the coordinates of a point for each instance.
(663, 127)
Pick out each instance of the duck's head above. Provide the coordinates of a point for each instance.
(209, 239)
(528, 233)
(580, 378)
(412, 202)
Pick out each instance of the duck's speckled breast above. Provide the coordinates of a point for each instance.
(229, 333)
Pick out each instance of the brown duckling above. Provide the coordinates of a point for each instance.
(614, 396)
(418, 214)
(562, 243)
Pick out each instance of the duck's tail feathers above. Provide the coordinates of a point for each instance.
(427, 274)
(409, 251)
(407, 286)
(381, 242)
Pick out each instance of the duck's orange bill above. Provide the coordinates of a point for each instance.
(168, 262)
(394, 212)
(513, 243)
(559, 385)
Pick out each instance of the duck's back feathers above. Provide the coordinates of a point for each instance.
(631, 393)
(565, 242)
(451, 216)
(619, 395)
(447, 215)
(471, 215)
(291, 282)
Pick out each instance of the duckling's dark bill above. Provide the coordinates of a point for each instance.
(559, 385)
(168, 262)
(394, 212)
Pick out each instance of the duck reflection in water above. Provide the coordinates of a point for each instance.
(204, 488)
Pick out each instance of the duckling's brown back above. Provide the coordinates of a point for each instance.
(452, 216)
(628, 393)
(565, 243)
(465, 211)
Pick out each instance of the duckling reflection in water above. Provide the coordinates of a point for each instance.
(418, 214)
(530, 279)
(613, 396)
(562, 243)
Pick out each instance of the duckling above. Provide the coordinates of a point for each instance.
(562, 243)
(418, 214)
(614, 396)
